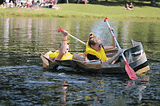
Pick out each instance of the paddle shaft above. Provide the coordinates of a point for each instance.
(116, 41)
(129, 70)
(60, 30)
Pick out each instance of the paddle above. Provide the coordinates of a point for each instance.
(129, 70)
(60, 30)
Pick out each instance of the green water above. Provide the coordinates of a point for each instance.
(26, 36)
(23, 82)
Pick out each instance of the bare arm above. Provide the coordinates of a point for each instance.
(113, 44)
(63, 46)
(79, 57)
(115, 57)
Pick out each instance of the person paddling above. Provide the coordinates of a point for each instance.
(95, 50)
(62, 52)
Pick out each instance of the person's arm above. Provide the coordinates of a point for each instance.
(79, 57)
(113, 44)
(63, 46)
(115, 57)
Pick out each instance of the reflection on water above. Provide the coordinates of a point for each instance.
(36, 36)
(29, 85)
(23, 82)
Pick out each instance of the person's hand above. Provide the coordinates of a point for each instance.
(65, 33)
(120, 51)
(111, 29)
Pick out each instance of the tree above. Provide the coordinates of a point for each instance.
(153, 2)
(1, 2)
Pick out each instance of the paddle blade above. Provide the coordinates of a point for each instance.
(130, 71)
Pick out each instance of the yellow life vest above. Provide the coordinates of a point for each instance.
(99, 54)
(65, 57)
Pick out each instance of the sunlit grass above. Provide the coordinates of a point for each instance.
(92, 11)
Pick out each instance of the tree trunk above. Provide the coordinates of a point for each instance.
(1, 2)
(153, 3)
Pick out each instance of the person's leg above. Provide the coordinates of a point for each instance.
(79, 57)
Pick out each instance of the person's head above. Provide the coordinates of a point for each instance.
(94, 42)
(67, 49)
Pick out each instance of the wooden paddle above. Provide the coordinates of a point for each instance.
(129, 70)
(60, 30)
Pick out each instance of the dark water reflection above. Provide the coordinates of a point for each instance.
(22, 81)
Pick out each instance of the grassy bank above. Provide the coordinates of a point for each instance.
(92, 11)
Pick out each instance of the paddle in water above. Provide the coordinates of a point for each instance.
(129, 70)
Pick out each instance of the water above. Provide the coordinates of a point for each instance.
(23, 82)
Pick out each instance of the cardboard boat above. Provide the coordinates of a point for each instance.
(135, 56)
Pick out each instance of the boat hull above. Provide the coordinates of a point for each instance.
(135, 56)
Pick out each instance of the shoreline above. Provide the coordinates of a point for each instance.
(116, 13)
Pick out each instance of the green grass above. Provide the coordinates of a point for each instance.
(90, 11)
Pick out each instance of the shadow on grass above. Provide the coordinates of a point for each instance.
(110, 3)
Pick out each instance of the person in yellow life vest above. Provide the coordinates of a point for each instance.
(62, 52)
(95, 50)
(66, 56)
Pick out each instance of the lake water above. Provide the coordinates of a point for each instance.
(23, 82)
